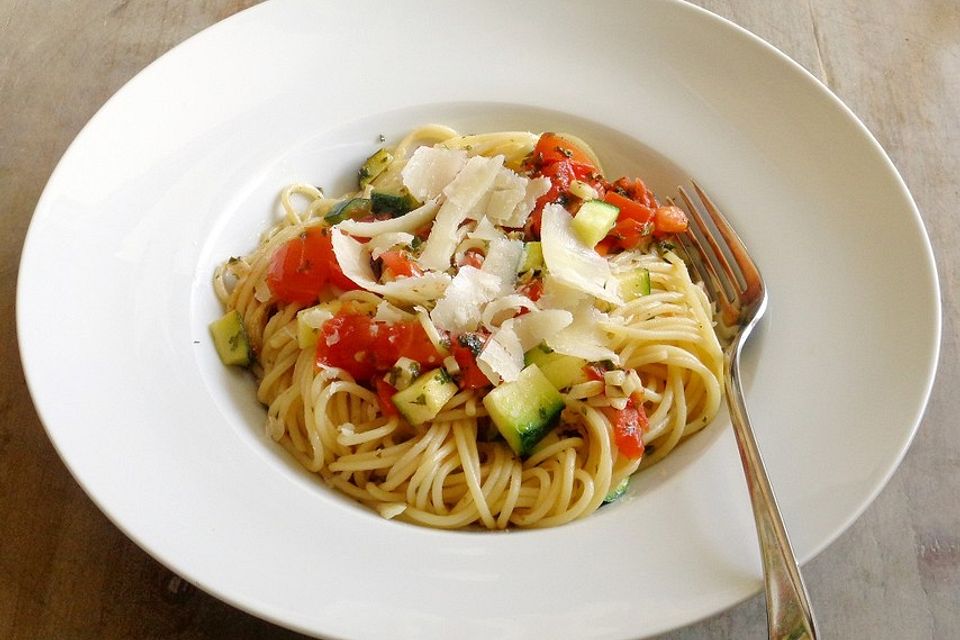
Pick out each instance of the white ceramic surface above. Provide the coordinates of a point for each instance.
(182, 167)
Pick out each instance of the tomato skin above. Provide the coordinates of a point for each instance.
(473, 258)
(628, 233)
(471, 377)
(552, 148)
(334, 273)
(301, 268)
(636, 190)
(400, 263)
(594, 372)
(403, 339)
(533, 289)
(298, 269)
(345, 341)
(385, 393)
(628, 424)
(561, 171)
(605, 246)
(365, 347)
(337, 279)
(634, 222)
(629, 209)
(669, 219)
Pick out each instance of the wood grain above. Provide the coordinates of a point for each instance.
(66, 572)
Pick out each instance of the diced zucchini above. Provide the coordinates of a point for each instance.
(230, 338)
(311, 319)
(594, 220)
(374, 166)
(396, 204)
(524, 410)
(634, 284)
(617, 492)
(561, 370)
(348, 210)
(403, 373)
(582, 190)
(532, 257)
(424, 398)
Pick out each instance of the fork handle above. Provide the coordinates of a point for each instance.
(789, 615)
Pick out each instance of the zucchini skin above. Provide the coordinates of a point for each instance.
(348, 209)
(231, 340)
(525, 410)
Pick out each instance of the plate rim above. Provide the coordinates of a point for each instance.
(254, 607)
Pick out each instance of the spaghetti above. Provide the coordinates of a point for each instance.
(401, 335)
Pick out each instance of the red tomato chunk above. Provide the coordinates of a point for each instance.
(628, 427)
(365, 347)
(302, 267)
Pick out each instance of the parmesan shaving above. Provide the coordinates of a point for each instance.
(583, 338)
(571, 261)
(460, 308)
(354, 261)
(408, 222)
(503, 258)
(485, 231)
(430, 169)
(462, 196)
(535, 327)
(379, 244)
(502, 356)
(534, 190)
(387, 312)
(503, 308)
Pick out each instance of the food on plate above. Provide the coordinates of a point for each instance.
(487, 333)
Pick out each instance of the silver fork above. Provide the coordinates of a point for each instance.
(740, 294)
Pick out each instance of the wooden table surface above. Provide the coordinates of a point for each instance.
(66, 572)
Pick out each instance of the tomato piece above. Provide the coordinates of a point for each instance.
(552, 148)
(385, 393)
(404, 339)
(337, 279)
(473, 257)
(299, 268)
(365, 347)
(400, 263)
(593, 371)
(628, 234)
(669, 219)
(635, 190)
(471, 377)
(605, 246)
(628, 424)
(634, 222)
(629, 209)
(560, 175)
(346, 341)
(533, 289)
(334, 273)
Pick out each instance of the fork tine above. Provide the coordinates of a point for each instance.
(705, 231)
(727, 297)
(698, 259)
(751, 275)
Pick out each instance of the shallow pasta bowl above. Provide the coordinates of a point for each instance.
(181, 168)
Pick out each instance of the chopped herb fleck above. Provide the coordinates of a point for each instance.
(472, 341)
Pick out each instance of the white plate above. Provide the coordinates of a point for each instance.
(181, 169)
